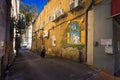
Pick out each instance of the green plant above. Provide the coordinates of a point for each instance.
(79, 46)
(30, 12)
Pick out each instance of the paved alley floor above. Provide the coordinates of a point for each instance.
(29, 66)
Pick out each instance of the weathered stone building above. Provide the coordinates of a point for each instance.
(8, 15)
(90, 20)
(56, 24)
(4, 23)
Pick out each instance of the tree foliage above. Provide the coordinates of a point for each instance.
(30, 12)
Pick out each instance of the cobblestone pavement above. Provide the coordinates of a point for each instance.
(29, 66)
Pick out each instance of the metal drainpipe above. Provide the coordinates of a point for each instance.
(86, 28)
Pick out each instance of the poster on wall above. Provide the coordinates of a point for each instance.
(106, 41)
(74, 33)
(109, 49)
(75, 37)
(74, 26)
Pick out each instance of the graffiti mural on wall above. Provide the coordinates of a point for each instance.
(75, 37)
(74, 33)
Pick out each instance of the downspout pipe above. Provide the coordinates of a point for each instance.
(86, 27)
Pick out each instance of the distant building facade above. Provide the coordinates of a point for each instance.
(27, 38)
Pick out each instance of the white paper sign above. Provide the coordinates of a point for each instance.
(53, 40)
(109, 49)
(106, 41)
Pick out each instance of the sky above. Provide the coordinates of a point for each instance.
(38, 3)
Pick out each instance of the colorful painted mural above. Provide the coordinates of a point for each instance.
(75, 37)
(74, 33)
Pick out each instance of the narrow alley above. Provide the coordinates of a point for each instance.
(29, 66)
(80, 38)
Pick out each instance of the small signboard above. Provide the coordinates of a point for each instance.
(109, 49)
(106, 41)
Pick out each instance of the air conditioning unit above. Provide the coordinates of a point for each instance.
(77, 3)
(54, 17)
(62, 12)
(71, 5)
(59, 12)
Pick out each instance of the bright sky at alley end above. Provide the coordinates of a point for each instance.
(39, 3)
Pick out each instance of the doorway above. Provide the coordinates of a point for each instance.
(116, 30)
